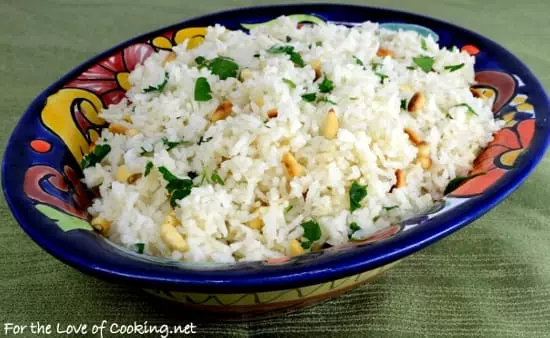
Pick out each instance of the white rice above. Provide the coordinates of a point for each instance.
(246, 152)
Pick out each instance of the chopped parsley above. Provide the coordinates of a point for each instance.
(287, 210)
(326, 99)
(289, 83)
(470, 109)
(148, 168)
(404, 104)
(423, 44)
(353, 98)
(139, 247)
(192, 174)
(222, 66)
(391, 208)
(215, 177)
(356, 194)
(288, 38)
(319, 43)
(202, 90)
(375, 66)
(354, 226)
(382, 77)
(177, 188)
(424, 62)
(358, 61)
(326, 86)
(309, 97)
(201, 61)
(204, 140)
(410, 68)
(312, 233)
(99, 153)
(458, 181)
(257, 55)
(145, 152)
(452, 68)
(159, 87)
(288, 50)
(171, 145)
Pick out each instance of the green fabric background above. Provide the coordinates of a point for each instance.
(490, 279)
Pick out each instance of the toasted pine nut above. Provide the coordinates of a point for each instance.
(117, 128)
(413, 136)
(259, 101)
(424, 161)
(423, 149)
(245, 74)
(272, 113)
(382, 52)
(416, 103)
(292, 167)
(295, 248)
(131, 132)
(256, 223)
(316, 65)
(133, 178)
(122, 173)
(101, 224)
(477, 92)
(399, 180)
(169, 58)
(331, 125)
(172, 237)
(223, 111)
(127, 118)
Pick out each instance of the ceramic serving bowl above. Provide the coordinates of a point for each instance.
(41, 172)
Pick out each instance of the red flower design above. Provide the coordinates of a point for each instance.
(109, 78)
(498, 158)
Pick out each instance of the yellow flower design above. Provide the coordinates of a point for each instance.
(195, 35)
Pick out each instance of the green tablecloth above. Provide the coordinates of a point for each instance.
(490, 279)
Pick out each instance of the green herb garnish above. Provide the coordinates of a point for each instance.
(410, 68)
(404, 104)
(423, 44)
(204, 140)
(288, 38)
(139, 247)
(201, 61)
(176, 187)
(287, 210)
(452, 68)
(96, 156)
(391, 208)
(470, 109)
(148, 168)
(354, 226)
(326, 99)
(424, 62)
(310, 97)
(145, 152)
(458, 181)
(358, 61)
(326, 86)
(319, 43)
(288, 50)
(356, 193)
(382, 77)
(353, 98)
(375, 66)
(202, 89)
(312, 233)
(157, 88)
(215, 177)
(289, 83)
(171, 145)
(223, 66)
(257, 55)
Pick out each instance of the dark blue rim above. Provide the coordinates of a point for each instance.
(249, 278)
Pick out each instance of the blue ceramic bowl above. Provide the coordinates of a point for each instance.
(41, 170)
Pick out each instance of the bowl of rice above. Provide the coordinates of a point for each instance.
(271, 157)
